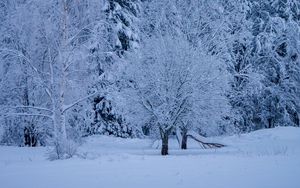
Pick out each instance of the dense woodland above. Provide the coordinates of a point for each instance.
(146, 68)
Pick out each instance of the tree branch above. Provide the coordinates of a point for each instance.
(33, 107)
(19, 54)
(25, 114)
(67, 107)
(206, 145)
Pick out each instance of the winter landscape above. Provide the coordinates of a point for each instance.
(149, 93)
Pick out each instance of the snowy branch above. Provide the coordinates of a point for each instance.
(24, 114)
(67, 107)
(34, 107)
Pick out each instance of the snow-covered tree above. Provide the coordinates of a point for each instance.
(121, 35)
(170, 82)
(59, 45)
(20, 37)
(275, 28)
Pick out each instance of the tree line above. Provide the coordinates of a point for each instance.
(145, 68)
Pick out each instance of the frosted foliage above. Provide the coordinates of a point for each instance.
(132, 68)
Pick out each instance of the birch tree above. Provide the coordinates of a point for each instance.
(63, 66)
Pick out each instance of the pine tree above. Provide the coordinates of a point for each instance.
(122, 34)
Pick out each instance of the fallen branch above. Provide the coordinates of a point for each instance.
(206, 145)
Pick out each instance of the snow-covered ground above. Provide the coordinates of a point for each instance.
(261, 159)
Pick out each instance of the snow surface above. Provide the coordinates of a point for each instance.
(261, 159)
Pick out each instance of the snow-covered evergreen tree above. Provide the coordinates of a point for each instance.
(121, 33)
(275, 26)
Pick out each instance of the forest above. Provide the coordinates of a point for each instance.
(149, 93)
(146, 68)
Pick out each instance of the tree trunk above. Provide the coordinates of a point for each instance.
(184, 139)
(29, 136)
(270, 123)
(165, 144)
(26, 137)
(164, 134)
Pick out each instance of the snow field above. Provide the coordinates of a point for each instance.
(265, 158)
